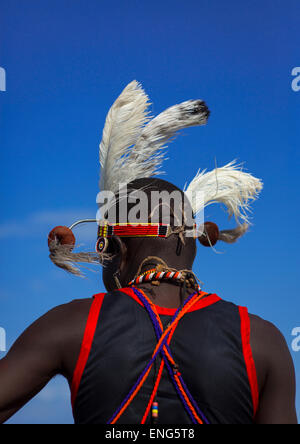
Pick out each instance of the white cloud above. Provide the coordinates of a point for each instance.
(40, 223)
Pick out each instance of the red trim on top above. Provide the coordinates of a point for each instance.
(247, 351)
(209, 300)
(86, 344)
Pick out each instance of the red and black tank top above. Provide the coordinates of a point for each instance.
(211, 345)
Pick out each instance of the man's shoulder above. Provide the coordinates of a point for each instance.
(265, 331)
(72, 308)
(70, 314)
(62, 322)
(269, 347)
(275, 373)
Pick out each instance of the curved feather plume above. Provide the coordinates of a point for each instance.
(231, 236)
(63, 257)
(122, 128)
(228, 185)
(147, 155)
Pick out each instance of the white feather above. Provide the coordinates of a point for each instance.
(123, 125)
(130, 148)
(147, 155)
(228, 185)
(231, 236)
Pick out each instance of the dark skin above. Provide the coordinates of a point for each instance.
(51, 346)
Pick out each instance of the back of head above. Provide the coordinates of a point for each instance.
(151, 200)
(163, 202)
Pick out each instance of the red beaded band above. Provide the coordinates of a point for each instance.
(107, 230)
(134, 230)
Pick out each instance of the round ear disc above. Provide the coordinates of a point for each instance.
(61, 236)
(210, 234)
(101, 245)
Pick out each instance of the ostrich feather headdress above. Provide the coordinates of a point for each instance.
(134, 146)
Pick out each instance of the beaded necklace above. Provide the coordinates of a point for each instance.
(155, 276)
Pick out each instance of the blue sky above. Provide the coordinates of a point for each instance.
(66, 62)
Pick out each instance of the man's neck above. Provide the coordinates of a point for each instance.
(165, 294)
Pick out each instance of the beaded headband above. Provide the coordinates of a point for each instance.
(107, 230)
